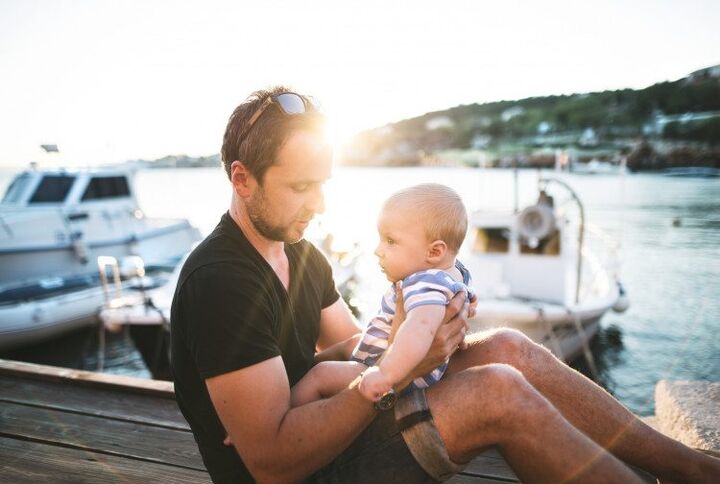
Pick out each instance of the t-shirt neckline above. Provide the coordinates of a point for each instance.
(236, 232)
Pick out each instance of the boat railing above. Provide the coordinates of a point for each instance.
(606, 248)
(601, 256)
(594, 278)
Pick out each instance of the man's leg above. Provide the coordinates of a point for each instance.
(495, 405)
(588, 407)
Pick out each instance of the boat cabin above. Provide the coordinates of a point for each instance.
(53, 220)
(68, 188)
(528, 255)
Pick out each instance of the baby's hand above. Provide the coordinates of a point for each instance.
(374, 384)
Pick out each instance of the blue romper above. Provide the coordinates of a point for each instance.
(432, 286)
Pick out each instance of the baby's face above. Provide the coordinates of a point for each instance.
(403, 247)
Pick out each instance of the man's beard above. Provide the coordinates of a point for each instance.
(257, 212)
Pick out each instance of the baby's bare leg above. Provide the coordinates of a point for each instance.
(324, 380)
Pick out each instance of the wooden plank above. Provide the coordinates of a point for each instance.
(129, 384)
(32, 462)
(67, 396)
(492, 453)
(161, 445)
(463, 479)
(644, 476)
(486, 467)
(490, 466)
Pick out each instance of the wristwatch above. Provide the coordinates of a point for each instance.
(387, 401)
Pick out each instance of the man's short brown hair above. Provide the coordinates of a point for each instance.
(257, 147)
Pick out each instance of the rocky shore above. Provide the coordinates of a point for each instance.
(689, 411)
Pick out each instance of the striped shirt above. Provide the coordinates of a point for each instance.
(432, 286)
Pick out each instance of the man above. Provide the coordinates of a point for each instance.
(254, 302)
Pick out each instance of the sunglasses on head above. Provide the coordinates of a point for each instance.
(289, 103)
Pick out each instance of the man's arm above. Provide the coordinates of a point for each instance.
(339, 351)
(336, 324)
(278, 443)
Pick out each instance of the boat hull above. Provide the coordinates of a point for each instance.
(156, 246)
(552, 326)
(24, 323)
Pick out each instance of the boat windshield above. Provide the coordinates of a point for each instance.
(53, 189)
(17, 188)
(492, 240)
(106, 187)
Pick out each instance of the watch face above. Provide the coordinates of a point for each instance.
(387, 401)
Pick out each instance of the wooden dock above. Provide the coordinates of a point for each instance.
(62, 425)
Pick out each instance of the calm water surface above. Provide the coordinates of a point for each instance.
(672, 273)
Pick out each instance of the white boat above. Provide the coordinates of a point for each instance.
(41, 310)
(54, 224)
(534, 272)
(597, 167)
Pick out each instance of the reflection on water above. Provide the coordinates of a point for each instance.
(671, 270)
(608, 351)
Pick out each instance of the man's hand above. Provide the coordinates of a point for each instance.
(472, 308)
(374, 384)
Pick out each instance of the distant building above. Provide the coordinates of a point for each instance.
(657, 125)
(544, 127)
(439, 122)
(480, 141)
(510, 113)
(588, 138)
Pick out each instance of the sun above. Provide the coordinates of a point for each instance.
(346, 117)
(338, 132)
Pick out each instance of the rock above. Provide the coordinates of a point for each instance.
(689, 411)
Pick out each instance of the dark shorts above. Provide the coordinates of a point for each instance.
(379, 454)
(399, 446)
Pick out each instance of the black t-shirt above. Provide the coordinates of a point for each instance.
(231, 311)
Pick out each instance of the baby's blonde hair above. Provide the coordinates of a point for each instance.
(439, 208)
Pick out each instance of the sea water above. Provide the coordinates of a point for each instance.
(668, 231)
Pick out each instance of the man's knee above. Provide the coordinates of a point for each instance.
(506, 387)
(504, 345)
(497, 377)
(496, 397)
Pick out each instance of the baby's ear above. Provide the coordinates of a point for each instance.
(436, 250)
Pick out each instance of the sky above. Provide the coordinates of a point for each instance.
(110, 81)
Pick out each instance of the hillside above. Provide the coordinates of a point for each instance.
(658, 120)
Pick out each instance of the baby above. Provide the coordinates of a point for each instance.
(421, 230)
